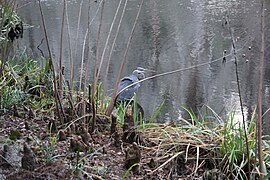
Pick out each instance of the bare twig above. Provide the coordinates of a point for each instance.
(112, 102)
(77, 33)
(82, 60)
(56, 95)
(239, 93)
(70, 99)
(71, 61)
(111, 51)
(95, 70)
(104, 51)
(87, 32)
(179, 70)
(259, 122)
(61, 50)
(97, 49)
(169, 160)
(87, 65)
(90, 104)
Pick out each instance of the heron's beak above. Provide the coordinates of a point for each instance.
(145, 70)
(150, 70)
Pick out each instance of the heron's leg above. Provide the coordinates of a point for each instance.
(139, 112)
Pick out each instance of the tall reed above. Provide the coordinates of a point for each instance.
(260, 85)
(71, 60)
(58, 101)
(94, 105)
(239, 92)
(77, 39)
(60, 70)
(113, 98)
(103, 54)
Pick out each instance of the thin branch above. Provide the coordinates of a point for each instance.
(82, 59)
(77, 32)
(56, 95)
(180, 70)
(61, 50)
(71, 61)
(112, 102)
(87, 66)
(95, 70)
(111, 51)
(85, 36)
(104, 50)
(88, 51)
(97, 49)
(70, 99)
(261, 74)
(240, 97)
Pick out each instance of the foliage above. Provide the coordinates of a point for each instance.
(220, 144)
(49, 150)
(9, 22)
(25, 82)
(129, 169)
(139, 121)
(205, 137)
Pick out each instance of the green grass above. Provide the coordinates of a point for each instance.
(138, 120)
(9, 19)
(222, 143)
(128, 171)
(25, 82)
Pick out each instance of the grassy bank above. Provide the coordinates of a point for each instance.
(208, 146)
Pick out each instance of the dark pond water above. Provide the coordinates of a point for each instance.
(170, 35)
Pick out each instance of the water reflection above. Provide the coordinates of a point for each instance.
(170, 35)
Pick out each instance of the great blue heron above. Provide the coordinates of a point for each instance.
(128, 93)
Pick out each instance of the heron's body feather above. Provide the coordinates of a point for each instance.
(129, 92)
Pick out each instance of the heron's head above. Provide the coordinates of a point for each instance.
(139, 74)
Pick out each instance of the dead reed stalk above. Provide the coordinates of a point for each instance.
(261, 74)
(58, 101)
(239, 93)
(112, 102)
(94, 105)
(71, 61)
(61, 51)
(104, 51)
(111, 51)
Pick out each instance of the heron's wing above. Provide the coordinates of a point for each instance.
(126, 81)
(129, 92)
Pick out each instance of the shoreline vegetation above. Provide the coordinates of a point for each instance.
(51, 130)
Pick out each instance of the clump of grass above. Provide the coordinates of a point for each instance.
(139, 121)
(9, 22)
(233, 149)
(24, 82)
(80, 165)
(49, 150)
(211, 146)
(10, 96)
(11, 28)
(124, 176)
